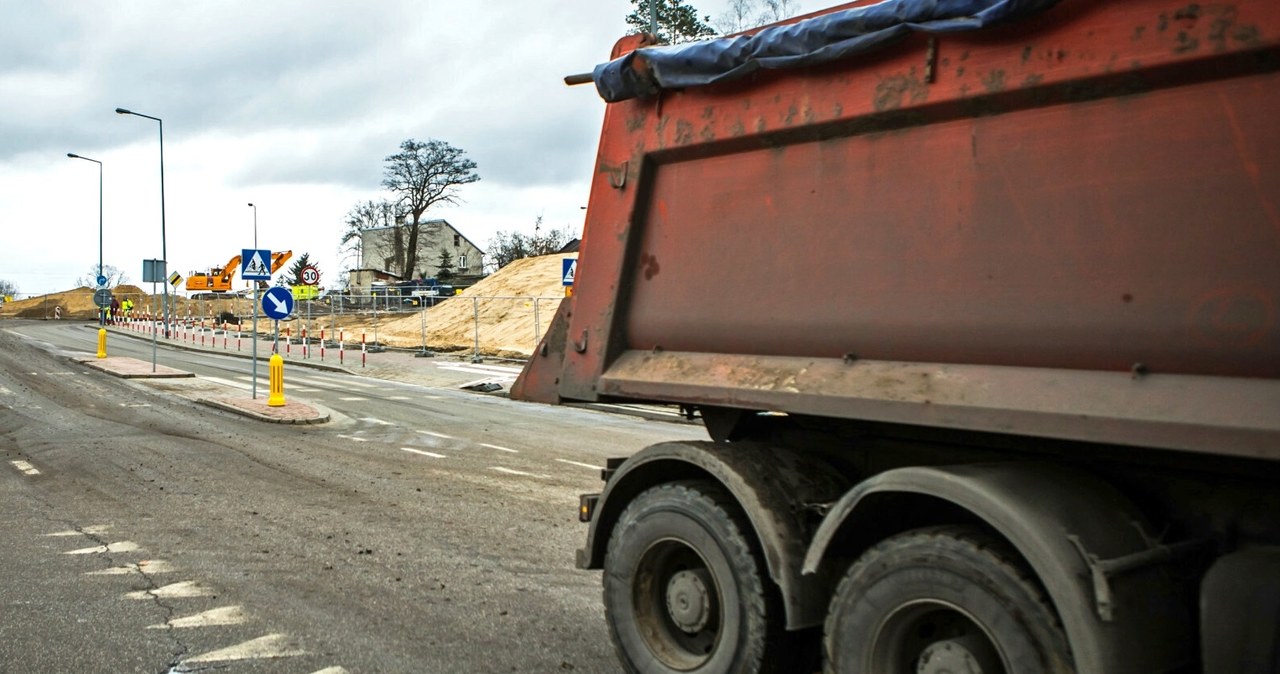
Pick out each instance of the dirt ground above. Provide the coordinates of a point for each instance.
(504, 305)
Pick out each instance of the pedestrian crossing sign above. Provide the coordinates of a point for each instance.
(254, 265)
(569, 269)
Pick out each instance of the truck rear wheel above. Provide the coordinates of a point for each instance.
(947, 599)
(683, 589)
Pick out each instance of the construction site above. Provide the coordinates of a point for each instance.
(502, 316)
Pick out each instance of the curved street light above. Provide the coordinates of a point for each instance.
(102, 312)
(164, 254)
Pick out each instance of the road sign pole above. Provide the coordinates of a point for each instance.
(255, 340)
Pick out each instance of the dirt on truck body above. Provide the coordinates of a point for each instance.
(1010, 400)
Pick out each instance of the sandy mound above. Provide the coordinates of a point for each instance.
(505, 311)
(74, 304)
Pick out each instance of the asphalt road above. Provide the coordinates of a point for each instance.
(423, 529)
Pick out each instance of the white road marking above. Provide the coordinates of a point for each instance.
(419, 451)
(476, 370)
(227, 615)
(25, 468)
(120, 546)
(270, 646)
(332, 670)
(229, 382)
(94, 530)
(579, 463)
(353, 399)
(185, 589)
(147, 566)
(510, 471)
(442, 436)
(135, 404)
(357, 384)
(377, 421)
(487, 369)
(354, 438)
(500, 449)
(5, 391)
(398, 398)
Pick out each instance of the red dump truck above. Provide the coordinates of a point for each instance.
(1010, 402)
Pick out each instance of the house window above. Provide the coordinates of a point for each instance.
(457, 240)
(462, 262)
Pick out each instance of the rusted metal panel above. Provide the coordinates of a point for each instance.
(1096, 190)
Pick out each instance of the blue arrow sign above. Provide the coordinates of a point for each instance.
(277, 303)
(255, 265)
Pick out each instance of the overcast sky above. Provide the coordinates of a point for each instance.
(289, 104)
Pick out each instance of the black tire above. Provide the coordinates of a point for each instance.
(942, 599)
(683, 589)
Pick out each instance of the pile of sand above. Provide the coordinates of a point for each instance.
(505, 311)
(73, 304)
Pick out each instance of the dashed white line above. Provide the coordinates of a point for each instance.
(270, 646)
(185, 589)
(377, 421)
(579, 463)
(120, 546)
(419, 451)
(354, 438)
(229, 382)
(353, 399)
(147, 566)
(227, 615)
(95, 530)
(25, 468)
(442, 436)
(5, 391)
(399, 398)
(511, 471)
(500, 449)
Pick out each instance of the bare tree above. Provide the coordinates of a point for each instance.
(422, 175)
(114, 276)
(7, 288)
(370, 215)
(507, 247)
(743, 15)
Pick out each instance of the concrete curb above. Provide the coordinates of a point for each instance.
(291, 413)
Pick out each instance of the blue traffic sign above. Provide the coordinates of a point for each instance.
(277, 303)
(568, 270)
(255, 265)
(102, 280)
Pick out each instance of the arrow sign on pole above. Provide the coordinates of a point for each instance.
(277, 303)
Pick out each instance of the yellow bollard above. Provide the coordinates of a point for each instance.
(276, 397)
(102, 342)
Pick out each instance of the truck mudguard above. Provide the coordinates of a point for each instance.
(1069, 527)
(824, 38)
(773, 485)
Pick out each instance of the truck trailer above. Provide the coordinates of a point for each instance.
(1010, 402)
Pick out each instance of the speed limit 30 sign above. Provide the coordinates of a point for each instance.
(310, 275)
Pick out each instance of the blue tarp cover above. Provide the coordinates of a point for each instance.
(810, 42)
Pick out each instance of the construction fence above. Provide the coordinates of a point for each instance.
(507, 327)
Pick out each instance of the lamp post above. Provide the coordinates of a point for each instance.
(255, 307)
(164, 255)
(102, 311)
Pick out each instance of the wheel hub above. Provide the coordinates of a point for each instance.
(688, 601)
(956, 656)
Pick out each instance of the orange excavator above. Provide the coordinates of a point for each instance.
(217, 280)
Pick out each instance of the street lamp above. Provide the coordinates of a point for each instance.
(102, 311)
(164, 253)
(255, 226)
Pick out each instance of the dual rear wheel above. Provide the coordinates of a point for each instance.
(686, 591)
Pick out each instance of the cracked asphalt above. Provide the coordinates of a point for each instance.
(430, 531)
